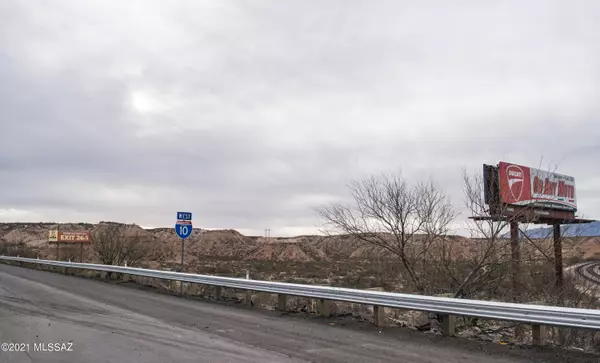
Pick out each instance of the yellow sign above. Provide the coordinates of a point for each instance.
(53, 236)
(66, 237)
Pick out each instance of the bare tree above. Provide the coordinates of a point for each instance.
(112, 245)
(389, 214)
(17, 248)
(491, 250)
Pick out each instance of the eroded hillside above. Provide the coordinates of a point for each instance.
(229, 244)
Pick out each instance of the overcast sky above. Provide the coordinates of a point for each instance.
(251, 113)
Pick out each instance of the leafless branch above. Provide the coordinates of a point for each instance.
(112, 245)
(394, 216)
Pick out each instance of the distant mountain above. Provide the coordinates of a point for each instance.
(567, 230)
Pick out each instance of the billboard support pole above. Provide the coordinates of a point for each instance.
(57, 243)
(558, 270)
(515, 268)
(558, 262)
(515, 260)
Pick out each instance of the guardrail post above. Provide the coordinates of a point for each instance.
(325, 307)
(538, 334)
(449, 325)
(218, 292)
(190, 289)
(379, 315)
(281, 302)
(248, 299)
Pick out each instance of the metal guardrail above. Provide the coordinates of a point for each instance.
(524, 313)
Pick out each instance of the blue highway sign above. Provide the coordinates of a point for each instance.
(183, 229)
(184, 216)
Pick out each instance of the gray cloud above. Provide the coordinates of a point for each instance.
(250, 114)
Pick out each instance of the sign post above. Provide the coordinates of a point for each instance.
(183, 229)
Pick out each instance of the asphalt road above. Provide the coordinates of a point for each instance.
(589, 271)
(114, 323)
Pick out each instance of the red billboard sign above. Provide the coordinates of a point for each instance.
(69, 237)
(525, 186)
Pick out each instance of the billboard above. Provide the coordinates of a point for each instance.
(524, 186)
(53, 236)
(69, 237)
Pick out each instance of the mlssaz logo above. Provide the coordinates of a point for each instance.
(516, 178)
